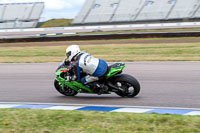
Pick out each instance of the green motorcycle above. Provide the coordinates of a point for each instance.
(123, 85)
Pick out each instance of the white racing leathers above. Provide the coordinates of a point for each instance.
(93, 67)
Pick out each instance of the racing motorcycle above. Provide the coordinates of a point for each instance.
(123, 85)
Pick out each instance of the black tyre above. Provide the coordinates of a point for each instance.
(66, 91)
(127, 82)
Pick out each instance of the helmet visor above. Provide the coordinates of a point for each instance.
(68, 54)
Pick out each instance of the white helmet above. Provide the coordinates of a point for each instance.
(72, 51)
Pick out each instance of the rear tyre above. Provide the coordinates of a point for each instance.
(66, 91)
(130, 85)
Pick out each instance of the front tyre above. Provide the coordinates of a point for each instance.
(66, 91)
(128, 83)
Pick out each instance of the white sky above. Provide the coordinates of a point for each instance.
(55, 8)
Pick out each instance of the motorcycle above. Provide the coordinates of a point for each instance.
(123, 85)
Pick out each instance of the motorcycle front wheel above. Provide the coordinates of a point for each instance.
(128, 83)
(66, 91)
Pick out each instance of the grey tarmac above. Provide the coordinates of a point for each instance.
(163, 84)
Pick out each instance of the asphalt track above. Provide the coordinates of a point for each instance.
(163, 84)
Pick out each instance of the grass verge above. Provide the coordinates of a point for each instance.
(58, 121)
(108, 52)
(55, 23)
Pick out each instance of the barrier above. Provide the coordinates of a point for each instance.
(101, 36)
(160, 25)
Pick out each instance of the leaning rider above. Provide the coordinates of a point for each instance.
(83, 62)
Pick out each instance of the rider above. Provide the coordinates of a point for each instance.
(94, 68)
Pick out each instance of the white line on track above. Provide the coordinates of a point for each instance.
(119, 106)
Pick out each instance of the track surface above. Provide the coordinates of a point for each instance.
(163, 84)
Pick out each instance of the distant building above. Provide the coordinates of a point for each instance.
(20, 15)
(137, 11)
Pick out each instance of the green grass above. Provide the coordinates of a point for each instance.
(108, 52)
(57, 121)
(55, 23)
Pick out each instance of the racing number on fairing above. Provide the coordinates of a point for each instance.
(85, 59)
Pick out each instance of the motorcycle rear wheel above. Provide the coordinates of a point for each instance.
(66, 91)
(129, 84)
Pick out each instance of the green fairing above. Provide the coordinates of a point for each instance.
(72, 84)
(59, 78)
(114, 71)
(78, 87)
(60, 71)
(75, 83)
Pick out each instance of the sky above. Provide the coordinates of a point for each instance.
(55, 8)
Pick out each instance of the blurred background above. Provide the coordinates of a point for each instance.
(63, 13)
